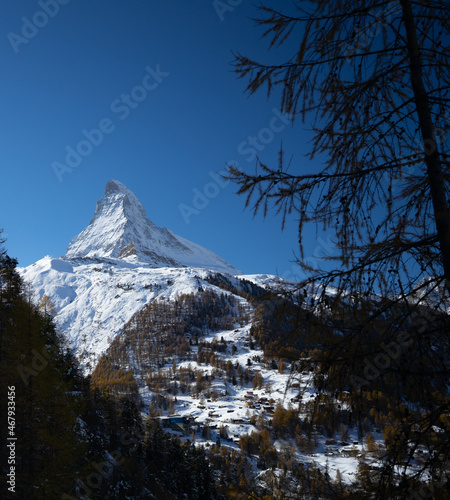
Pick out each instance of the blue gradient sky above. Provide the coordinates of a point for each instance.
(72, 74)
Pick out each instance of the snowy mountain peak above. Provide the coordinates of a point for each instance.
(114, 187)
(120, 229)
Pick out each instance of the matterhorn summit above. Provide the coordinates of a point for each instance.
(120, 229)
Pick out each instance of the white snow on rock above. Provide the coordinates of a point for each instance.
(120, 229)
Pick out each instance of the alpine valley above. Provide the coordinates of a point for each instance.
(200, 350)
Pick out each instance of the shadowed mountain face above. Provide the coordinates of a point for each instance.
(121, 229)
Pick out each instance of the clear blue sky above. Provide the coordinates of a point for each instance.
(155, 78)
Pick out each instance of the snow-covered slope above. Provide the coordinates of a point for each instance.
(94, 298)
(120, 229)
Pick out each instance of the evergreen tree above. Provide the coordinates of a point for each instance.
(47, 396)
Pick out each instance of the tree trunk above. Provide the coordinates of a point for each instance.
(433, 163)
